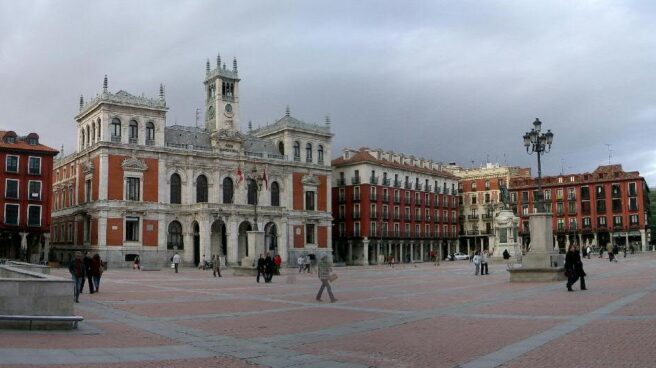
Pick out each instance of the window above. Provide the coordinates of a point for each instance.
(87, 190)
(571, 208)
(281, 148)
(309, 200)
(473, 199)
(633, 219)
(227, 190)
(356, 229)
(559, 194)
(11, 214)
(632, 190)
(175, 236)
(585, 193)
(617, 220)
(586, 222)
(320, 154)
(34, 166)
(309, 233)
(616, 192)
(571, 194)
(372, 229)
(132, 229)
(524, 197)
(251, 191)
(33, 215)
(633, 203)
(487, 185)
(473, 185)
(34, 190)
(11, 189)
(11, 164)
(134, 131)
(617, 205)
(297, 151)
(275, 194)
(150, 133)
(601, 221)
(116, 130)
(601, 205)
(308, 152)
(176, 189)
(547, 194)
(600, 192)
(572, 224)
(561, 224)
(201, 189)
(132, 189)
(559, 208)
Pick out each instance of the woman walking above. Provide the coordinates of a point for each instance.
(574, 268)
(97, 270)
(324, 276)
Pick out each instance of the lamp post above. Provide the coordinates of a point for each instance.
(258, 179)
(540, 143)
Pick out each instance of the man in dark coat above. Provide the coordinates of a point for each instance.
(260, 269)
(87, 270)
(269, 268)
(574, 268)
(76, 268)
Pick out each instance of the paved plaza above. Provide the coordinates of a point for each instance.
(408, 316)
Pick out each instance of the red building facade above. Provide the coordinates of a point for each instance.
(392, 205)
(609, 205)
(25, 184)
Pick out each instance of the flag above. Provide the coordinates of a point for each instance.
(240, 176)
(265, 179)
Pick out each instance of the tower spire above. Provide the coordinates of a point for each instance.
(234, 65)
(218, 61)
(161, 91)
(287, 113)
(105, 84)
(207, 67)
(81, 102)
(328, 121)
(250, 126)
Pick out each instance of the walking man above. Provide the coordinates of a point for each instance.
(484, 270)
(308, 262)
(87, 272)
(176, 261)
(76, 268)
(324, 276)
(574, 268)
(260, 269)
(300, 262)
(477, 262)
(215, 265)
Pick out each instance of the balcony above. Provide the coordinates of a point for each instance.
(297, 158)
(396, 217)
(385, 216)
(602, 227)
(386, 198)
(560, 229)
(462, 218)
(601, 210)
(116, 138)
(407, 234)
(472, 217)
(374, 234)
(571, 212)
(487, 216)
(386, 182)
(418, 186)
(396, 234)
(373, 196)
(133, 140)
(472, 232)
(355, 180)
(150, 142)
(356, 215)
(618, 226)
(634, 226)
(408, 185)
(373, 215)
(397, 183)
(407, 217)
(341, 199)
(436, 219)
(341, 182)
(373, 180)
(418, 201)
(429, 188)
(417, 217)
(356, 197)
(397, 200)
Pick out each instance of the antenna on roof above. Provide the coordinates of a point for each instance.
(197, 116)
(610, 151)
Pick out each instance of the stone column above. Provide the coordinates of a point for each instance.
(102, 230)
(378, 255)
(188, 253)
(421, 245)
(468, 247)
(46, 246)
(412, 252)
(626, 239)
(232, 239)
(205, 242)
(283, 246)
(643, 240)
(594, 239)
(389, 249)
(349, 254)
(401, 245)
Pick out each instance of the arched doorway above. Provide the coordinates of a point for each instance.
(218, 239)
(196, 233)
(242, 240)
(271, 238)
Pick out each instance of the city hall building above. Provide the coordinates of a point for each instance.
(137, 187)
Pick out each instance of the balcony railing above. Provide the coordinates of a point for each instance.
(418, 201)
(341, 182)
(385, 216)
(385, 198)
(396, 217)
(406, 217)
(373, 215)
(487, 216)
(356, 215)
(341, 199)
(355, 180)
(617, 226)
(472, 232)
(356, 197)
(408, 185)
(386, 182)
(150, 142)
(417, 217)
(429, 188)
(472, 217)
(373, 180)
(116, 138)
(397, 200)
(436, 219)
(397, 183)
(373, 196)
(133, 140)
(418, 186)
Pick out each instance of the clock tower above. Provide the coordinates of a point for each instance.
(222, 98)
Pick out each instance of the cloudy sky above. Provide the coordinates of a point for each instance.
(451, 81)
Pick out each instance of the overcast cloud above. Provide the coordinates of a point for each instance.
(451, 81)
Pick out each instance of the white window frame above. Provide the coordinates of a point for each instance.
(29, 193)
(40, 214)
(17, 188)
(17, 218)
(314, 234)
(88, 197)
(136, 175)
(125, 229)
(17, 163)
(28, 164)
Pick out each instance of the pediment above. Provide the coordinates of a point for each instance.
(87, 167)
(134, 164)
(310, 180)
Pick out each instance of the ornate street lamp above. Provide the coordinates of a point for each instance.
(259, 180)
(540, 143)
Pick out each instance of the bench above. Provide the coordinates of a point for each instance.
(74, 319)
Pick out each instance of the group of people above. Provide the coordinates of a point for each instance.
(480, 262)
(304, 263)
(268, 266)
(87, 268)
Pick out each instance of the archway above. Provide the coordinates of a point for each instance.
(242, 240)
(218, 239)
(196, 233)
(271, 238)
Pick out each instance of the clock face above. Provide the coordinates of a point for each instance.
(228, 108)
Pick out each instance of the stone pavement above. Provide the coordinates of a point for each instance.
(408, 316)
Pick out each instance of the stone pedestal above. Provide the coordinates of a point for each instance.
(505, 227)
(541, 263)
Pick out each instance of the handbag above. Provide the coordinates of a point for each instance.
(332, 277)
(172, 265)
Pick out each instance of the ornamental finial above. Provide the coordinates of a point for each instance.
(224, 67)
(207, 67)
(218, 60)
(81, 102)
(161, 91)
(328, 120)
(234, 65)
(105, 84)
(250, 126)
(287, 113)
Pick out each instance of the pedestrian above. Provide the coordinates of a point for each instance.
(601, 251)
(300, 262)
(97, 270)
(308, 263)
(589, 251)
(277, 260)
(215, 265)
(484, 270)
(260, 269)
(269, 268)
(574, 268)
(625, 251)
(87, 272)
(325, 276)
(506, 255)
(611, 254)
(477, 262)
(176, 261)
(137, 264)
(76, 268)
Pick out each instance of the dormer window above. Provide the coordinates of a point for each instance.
(10, 139)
